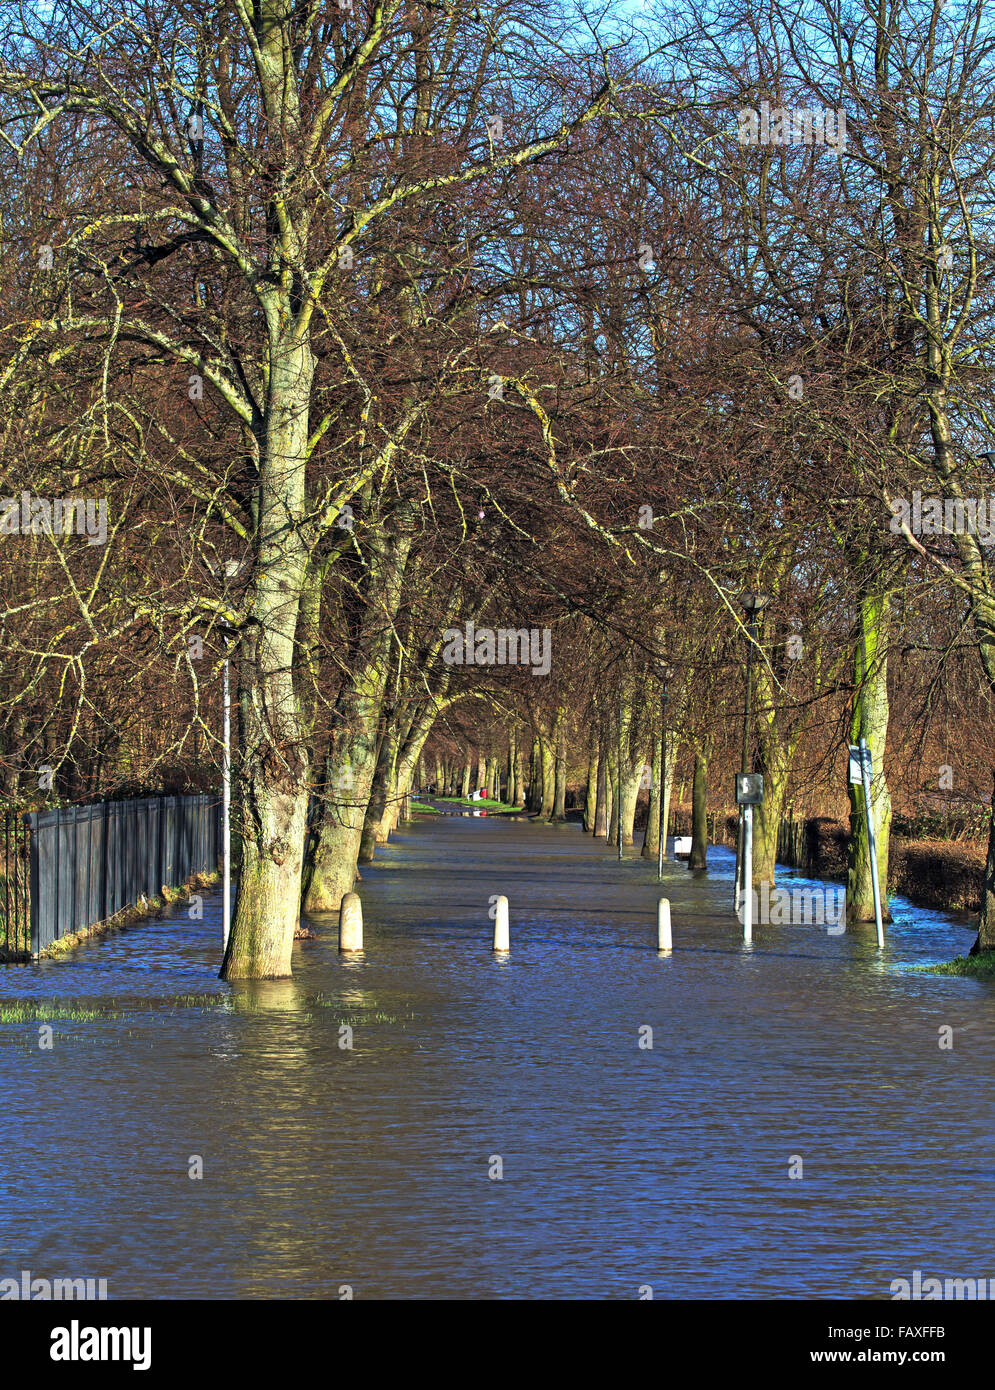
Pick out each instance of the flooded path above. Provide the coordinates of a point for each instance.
(623, 1166)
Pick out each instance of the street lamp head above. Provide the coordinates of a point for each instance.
(753, 603)
(664, 672)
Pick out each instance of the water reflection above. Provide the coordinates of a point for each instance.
(362, 1156)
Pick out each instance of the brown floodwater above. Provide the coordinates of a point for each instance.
(622, 1166)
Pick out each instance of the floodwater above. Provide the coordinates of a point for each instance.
(375, 1169)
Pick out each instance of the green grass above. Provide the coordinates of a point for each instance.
(31, 1011)
(48, 1010)
(425, 810)
(484, 805)
(979, 967)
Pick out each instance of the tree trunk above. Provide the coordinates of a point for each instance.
(601, 802)
(273, 749)
(668, 787)
(548, 779)
(870, 719)
(534, 798)
(630, 797)
(352, 759)
(559, 811)
(375, 823)
(986, 919)
(651, 838)
(613, 780)
(699, 813)
(775, 765)
(591, 794)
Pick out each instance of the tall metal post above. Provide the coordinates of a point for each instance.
(744, 759)
(747, 874)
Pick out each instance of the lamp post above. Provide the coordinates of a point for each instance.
(665, 675)
(752, 604)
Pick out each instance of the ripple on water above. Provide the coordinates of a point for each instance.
(622, 1164)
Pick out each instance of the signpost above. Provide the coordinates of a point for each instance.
(861, 772)
(749, 793)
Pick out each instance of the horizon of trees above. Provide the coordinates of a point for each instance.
(367, 321)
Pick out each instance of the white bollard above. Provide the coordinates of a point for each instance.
(351, 923)
(664, 939)
(502, 936)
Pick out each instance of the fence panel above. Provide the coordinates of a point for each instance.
(15, 892)
(70, 868)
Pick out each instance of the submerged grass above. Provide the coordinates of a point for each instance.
(979, 967)
(79, 1011)
(87, 1011)
(41, 1011)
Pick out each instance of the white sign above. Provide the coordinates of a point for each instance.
(856, 753)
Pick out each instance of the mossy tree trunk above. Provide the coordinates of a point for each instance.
(591, 791)
(559, 811)
(374, 823)
(870, 720)
(601, 798)
(273, 763)
(548, 774)
(776, 729)
(352, 758)
(651, 837)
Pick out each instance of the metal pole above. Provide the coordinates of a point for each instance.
(226, 810)
(747, 875)
(662, 789)
(865, 777)
(745, 758)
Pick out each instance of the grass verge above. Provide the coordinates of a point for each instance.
(484, 805)
(979, 967)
